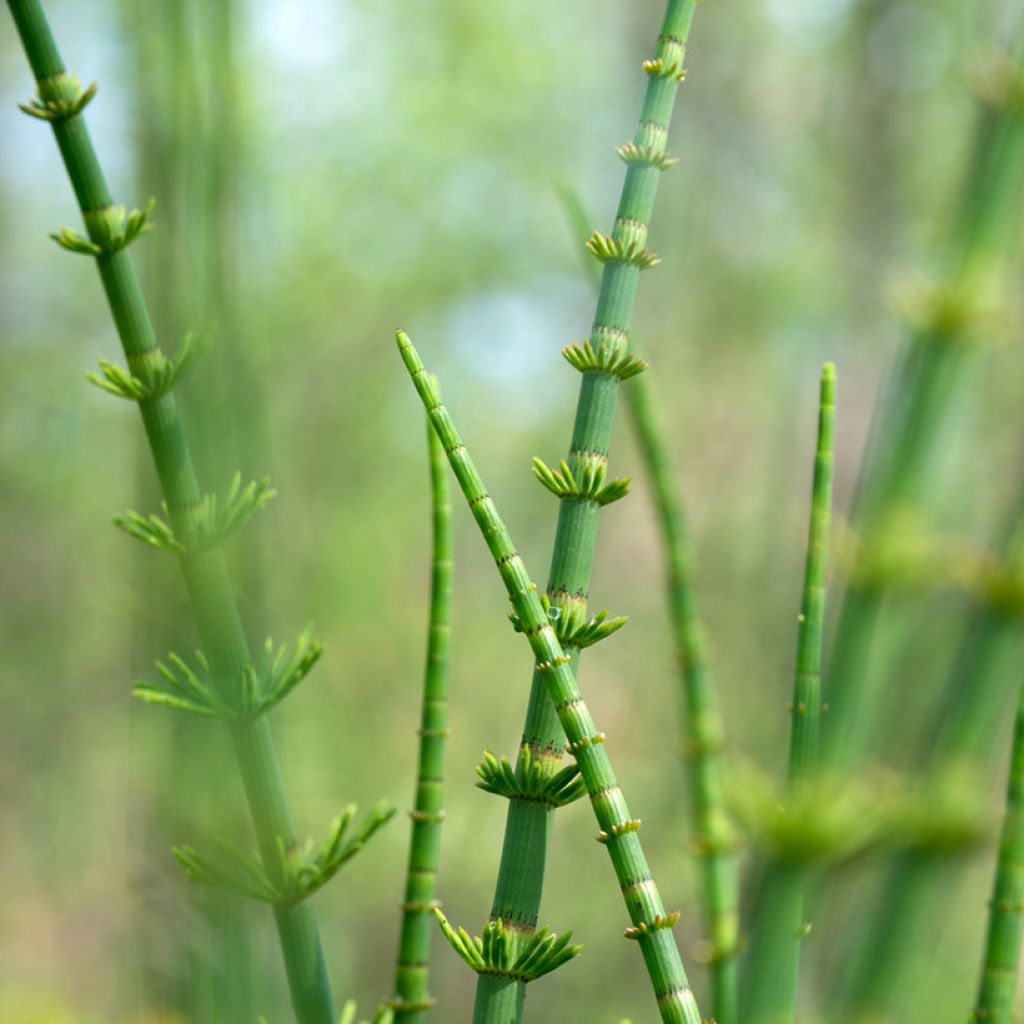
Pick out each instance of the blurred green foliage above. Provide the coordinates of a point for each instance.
(328, 171)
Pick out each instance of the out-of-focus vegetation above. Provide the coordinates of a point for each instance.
(324, 172)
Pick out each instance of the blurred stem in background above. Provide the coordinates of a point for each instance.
(908, 425)
(888, 948)
(236, 689)
(893, 485)
(772, 963)
(713, 838)
(192, 156)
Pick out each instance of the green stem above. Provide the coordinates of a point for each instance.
(651, 926)
(703, 733)
(806, 711)
(715, 840)
(524, 852)
(413, 999)
(773, 961)
(997, 988)
(907, 431)
(882, 954)
(206, 577)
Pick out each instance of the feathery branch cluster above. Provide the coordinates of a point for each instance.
(501, 951)
(611, 250)
(591, 484)
(154, 376)
(260, 687)
(297, 874)
(568, 616)
(205, 525)
(532, 779)
(619, 362)
(645, 156)
(70, 101)
(111, 229)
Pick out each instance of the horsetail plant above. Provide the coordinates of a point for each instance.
(230, 684)
(773, 960)
(580, 484)
(514, 957)
(941, 320)
(997, 988)
(714, 839)
(412, 997)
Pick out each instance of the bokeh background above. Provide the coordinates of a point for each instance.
(325, 171)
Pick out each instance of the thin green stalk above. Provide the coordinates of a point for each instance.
(907, 431)
(61, 101)
(651, 926)
(715, 841)
(773, 961)
(997, 988)
(806, 710)
(528, 826)
(413, 999)
(714, 838)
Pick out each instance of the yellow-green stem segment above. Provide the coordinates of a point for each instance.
(412, 995)
(650, 925)
(206, 577)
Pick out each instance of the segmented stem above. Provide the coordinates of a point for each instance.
(773, 961)
(714, 839)
(618, 831)
(806, 709)
(528, 826)
(206, 576)
(413, 999)
(997, 989)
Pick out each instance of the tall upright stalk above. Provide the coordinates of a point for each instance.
(773, 961)
(997, 988)
(714, 838)
(412, 998)
(603, 361)
(907, 433)
(231, 685)
(498, 955)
